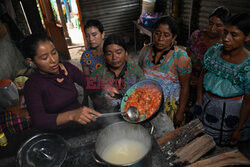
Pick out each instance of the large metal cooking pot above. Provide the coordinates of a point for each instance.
(124, 131)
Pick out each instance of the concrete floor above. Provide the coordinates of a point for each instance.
(75, 54)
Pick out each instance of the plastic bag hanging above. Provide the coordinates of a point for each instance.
(9, 96)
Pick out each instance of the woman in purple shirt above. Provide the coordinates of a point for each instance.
(50, 93)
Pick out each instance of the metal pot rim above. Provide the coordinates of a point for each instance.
(109, 163)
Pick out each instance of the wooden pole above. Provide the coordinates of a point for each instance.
(81, 22)
(54, 31)
(65, 30)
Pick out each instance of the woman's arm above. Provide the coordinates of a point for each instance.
(184, 94)
(41, 119)
(200, 88)
(192, 44)
(85, 69)
(141, 57)
(184, 69)
(244, 114)
(81, 115)
(196, 63)
(34, 101)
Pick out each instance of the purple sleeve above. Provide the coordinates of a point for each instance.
(33, 99)
(77, 75)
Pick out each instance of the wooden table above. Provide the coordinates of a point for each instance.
(143, 29)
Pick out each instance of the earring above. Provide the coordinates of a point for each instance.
(32, 66)
(173, 43)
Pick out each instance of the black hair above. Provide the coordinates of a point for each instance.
(222, 13)
(115, 39)
(29, 44)
(242, 21)
(94, 23)
(170, 21)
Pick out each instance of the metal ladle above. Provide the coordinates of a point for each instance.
(133, 114)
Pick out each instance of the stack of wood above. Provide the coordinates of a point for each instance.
(187, 145)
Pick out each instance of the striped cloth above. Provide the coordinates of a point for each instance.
(12, 123)
(14, 119)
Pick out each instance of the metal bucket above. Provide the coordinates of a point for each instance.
(120, 131)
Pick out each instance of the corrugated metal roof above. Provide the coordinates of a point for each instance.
(115, 15)
(186, 7)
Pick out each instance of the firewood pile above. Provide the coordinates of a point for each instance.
(188, 146)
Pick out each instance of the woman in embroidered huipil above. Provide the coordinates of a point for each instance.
(170, 66)
(117, 72)
(92, 58)
(226, 79)
(201, 40)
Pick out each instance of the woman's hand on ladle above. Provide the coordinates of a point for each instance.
(84, 115)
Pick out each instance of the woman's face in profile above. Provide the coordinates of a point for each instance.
(47, 58)
(163, 37)
(233, 38)
(215, 27)
(94, 37)
(115, 56)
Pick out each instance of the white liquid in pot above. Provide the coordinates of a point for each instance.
(124, 152)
